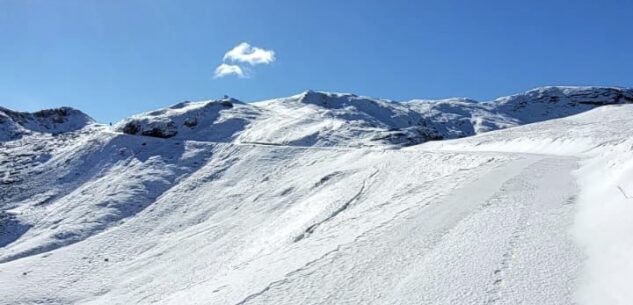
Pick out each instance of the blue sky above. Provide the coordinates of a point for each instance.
(112, 59)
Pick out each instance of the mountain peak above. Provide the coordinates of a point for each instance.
(192, 119)
(317, 97)
(14, 124)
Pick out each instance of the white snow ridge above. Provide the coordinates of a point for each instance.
(323, 198)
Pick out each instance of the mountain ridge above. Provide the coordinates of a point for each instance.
(330, 118)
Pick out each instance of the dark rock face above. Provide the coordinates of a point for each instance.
(164, 131)
(191, 122)
(10, 228)
(57, 115)
(131, 128)
(226, 104)
(606, 96)
(410, 136)
(167, 131)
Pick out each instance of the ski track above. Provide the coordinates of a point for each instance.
(418, 255)
(484, 266)
(426, 250)
(342, 208)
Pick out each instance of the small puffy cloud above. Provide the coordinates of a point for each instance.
(226, 69)
(245, 53)
(234, 60)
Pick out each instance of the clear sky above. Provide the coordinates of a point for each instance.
(112, 59)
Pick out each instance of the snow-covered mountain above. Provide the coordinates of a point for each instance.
(335, 119)
(313, 199)
(15, 124)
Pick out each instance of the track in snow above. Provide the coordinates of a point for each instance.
(500, 237)
(500, 240)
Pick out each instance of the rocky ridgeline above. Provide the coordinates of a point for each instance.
(168, 122)
(332, 119)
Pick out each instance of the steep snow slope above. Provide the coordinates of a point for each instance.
(211, 215)
(243, 220)
(604, 140)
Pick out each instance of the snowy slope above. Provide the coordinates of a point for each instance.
(603, 140)
(282, 202)
(456, 118)
(335, 119)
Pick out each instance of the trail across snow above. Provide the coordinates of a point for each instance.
(372, 227)
(501, 239)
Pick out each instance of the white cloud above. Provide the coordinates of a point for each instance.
(225, 69)
(245, 53)
(234, 60)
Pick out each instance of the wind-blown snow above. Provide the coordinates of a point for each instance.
(310, 199)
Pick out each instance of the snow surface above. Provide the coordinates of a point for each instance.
(310, 199)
